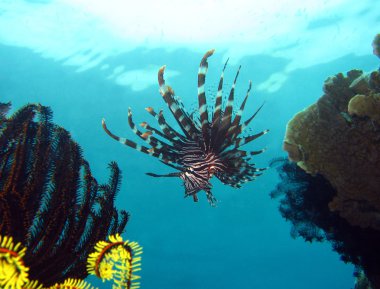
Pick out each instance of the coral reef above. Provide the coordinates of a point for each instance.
(365, 106)
(49, 200)
(339, 138)
(304, 202)
(376, 45)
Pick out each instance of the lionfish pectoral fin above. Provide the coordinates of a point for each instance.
(194, 195)
(108, 131)
(210, 198)
(163, 176)
(128, 142)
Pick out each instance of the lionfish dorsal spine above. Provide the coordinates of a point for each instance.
(149, 151)
(217, 115)
(227, 114)
(218, 98)
(237, 129)
(179, 114)
(220, 136)
(239, 113)
(202, 97)
(151, 129)
(242, 141)
(246, 123)
(169, 132)
(230, 102)
(147, 136)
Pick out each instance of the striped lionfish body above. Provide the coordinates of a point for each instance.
(209, 145)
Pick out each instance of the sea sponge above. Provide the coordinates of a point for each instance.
(339, 138)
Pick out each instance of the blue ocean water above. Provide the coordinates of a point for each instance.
(243, 242)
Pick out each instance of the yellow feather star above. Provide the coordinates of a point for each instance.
(116, 260)
(13, 272)
(72, 284)
(33, 285)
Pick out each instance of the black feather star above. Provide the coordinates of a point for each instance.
(49, 200)
(210, 144)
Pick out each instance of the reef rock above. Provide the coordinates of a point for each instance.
(339, 138)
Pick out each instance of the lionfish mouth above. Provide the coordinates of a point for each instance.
(208, 145)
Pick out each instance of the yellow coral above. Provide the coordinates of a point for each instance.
(13, 272)
(116, 260)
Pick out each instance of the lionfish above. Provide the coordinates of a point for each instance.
(210, 143)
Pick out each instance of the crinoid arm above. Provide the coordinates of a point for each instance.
(50, 203)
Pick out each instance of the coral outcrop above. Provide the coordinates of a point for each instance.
(338, 137)
(304, 203)
(365, 105)
(376, 45)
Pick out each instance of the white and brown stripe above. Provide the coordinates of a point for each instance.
(208, 145)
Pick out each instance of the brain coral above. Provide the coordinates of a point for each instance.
(339, 138)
